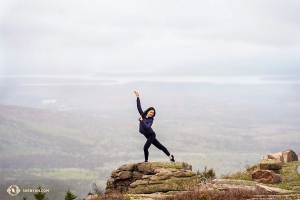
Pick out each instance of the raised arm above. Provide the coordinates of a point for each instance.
(138, 102)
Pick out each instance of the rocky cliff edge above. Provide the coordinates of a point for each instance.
(151, 177)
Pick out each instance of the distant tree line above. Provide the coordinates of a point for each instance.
(42, 196)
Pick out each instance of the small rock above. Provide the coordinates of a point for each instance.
(184, 173)
(146, 176)
(110, 181)
(127, 167)
(114, 173)
(272, 190)
(137, 175)
(144, 167)
(164, 175)
(124, 175)
(138, 182)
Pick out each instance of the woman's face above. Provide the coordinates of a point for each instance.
(150, 113)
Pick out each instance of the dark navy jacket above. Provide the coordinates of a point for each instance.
(146, 123)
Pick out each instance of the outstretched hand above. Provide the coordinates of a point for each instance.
(136, 94)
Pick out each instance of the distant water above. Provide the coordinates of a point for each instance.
(40, 80)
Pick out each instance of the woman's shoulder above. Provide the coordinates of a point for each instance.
(150, 119)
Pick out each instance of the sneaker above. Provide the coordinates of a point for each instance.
(146, 161)
(172, 160)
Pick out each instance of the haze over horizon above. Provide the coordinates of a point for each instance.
(164, 37)
(223, 76)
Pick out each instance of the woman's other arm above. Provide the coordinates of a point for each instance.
(148, 124)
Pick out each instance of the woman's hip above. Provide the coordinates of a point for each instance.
(151, 134)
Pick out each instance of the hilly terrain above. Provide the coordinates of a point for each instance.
(69, 134)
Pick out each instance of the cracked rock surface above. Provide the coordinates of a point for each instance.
(151, 177)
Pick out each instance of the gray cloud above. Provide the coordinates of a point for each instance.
(58, 36)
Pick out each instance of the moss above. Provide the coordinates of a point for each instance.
(187, 173)
(269, 161)
(245, 175)
(176, 165)
(290, 177)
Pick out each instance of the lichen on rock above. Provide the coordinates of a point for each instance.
(270, 164)
(151, 177)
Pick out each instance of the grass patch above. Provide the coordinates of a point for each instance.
(242, 175)
(176, 165)
(290, 177)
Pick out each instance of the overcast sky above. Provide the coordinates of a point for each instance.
(185, 37)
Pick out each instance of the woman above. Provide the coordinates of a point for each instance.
(146, 120)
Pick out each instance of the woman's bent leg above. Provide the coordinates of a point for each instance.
(148, 143)
(161, 147)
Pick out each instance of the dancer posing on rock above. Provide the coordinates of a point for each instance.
(146, 120)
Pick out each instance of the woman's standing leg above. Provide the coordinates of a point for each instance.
(150, 139)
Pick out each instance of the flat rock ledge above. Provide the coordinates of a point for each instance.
(151, 177)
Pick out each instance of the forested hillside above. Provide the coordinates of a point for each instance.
(57, 150)
(41, 138)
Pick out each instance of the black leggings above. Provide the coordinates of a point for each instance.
(152, 140)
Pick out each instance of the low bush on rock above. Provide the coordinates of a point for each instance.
(206, 174)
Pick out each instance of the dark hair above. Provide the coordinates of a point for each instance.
(146, 111)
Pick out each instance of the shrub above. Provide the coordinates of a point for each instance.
(206, 174)
(40, 195)
(69, 195)
(97, 190)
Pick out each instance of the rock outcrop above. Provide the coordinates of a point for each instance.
(270, 168)
(151, 177)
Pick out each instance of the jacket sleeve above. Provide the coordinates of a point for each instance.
(138, 104)
(147, 125)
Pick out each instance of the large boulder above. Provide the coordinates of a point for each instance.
(266, 177)
(151, 177)
(276, 156)
(284, 156)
